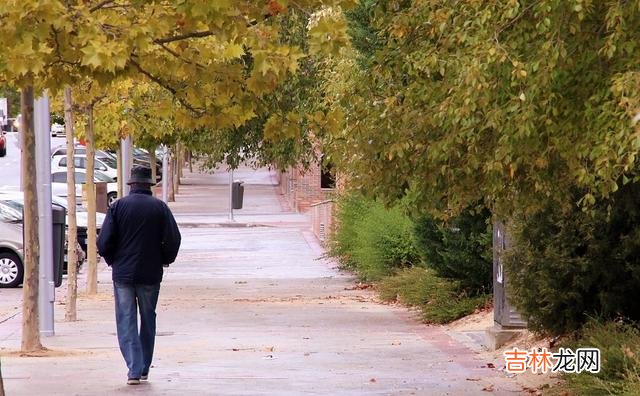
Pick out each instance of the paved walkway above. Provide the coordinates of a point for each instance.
(251, 309)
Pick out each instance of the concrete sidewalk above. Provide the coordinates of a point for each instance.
(251, 309)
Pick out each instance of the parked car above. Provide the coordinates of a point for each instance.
(57, 129)
(82, 221)
(141, 158)
(3, 144)
(15, 202)
(11, 247)
(59, 183)
(59, 163)
(81, 150)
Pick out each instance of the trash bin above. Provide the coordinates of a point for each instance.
(58, 217)
(237, 195)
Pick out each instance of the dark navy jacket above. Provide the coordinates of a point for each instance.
(139, 235)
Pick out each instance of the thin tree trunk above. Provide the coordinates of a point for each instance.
(170, 181)
(30, 324)
(72, 254)
(190, 161)
(92, 254)
(180, 151)
(176, 173)
(152, 164)
(120, 173)
(1, 382)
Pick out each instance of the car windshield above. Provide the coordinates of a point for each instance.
(110, 162)
(63, 202)
(9, 213)
(102, 177)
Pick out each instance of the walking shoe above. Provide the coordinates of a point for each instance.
(144, 377)
(133, 381)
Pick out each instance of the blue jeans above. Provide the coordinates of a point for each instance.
(136, 348)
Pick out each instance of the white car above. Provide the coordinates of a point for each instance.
(57, 130)
(82, 150)
(59, 163)
(59, 183)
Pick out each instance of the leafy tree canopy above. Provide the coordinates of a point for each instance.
(504, 101)
(197, 50)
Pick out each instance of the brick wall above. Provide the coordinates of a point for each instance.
(301, 188)
(322, 220)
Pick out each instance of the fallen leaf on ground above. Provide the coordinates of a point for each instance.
(473, 379)
(488, 388)
(360, 286)
(491, 365)
(372, 380)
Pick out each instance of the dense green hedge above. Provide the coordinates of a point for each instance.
(380, 244)
(567, 265)
(459, 250)
(372, 239)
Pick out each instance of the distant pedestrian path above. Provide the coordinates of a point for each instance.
(253, 308)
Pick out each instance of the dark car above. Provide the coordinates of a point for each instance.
(3, 144)
(11, 247)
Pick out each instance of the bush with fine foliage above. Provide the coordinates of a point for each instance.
(373, 239)
(566, 265)
(350, 212)
(440, 300)
(459, 250)
(619, 345)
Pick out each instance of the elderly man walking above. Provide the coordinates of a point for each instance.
(139, 237)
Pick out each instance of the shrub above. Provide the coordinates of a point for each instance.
(460, 250)
(566, 265)
(440, 300)
(372, 239)
(350, 212)
(619, 345)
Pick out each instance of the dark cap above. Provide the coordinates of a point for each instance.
(141, 175)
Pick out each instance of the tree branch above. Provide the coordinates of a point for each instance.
(178, 56)
(165, 85)
(100, 5)
(184, 36)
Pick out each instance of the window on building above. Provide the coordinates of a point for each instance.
(327, 176)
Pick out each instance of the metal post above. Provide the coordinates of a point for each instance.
(231, 195)
(46, 292)
(125, 150)
(165, 173)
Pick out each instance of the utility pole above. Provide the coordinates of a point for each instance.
(46, 286)
(165, 173)
(125, 156)
(231, 195)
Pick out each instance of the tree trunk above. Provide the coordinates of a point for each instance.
(176, 174)
(170, 182)
(152, 164)
(30, 323)
(92, 254)
(1, 383)
(190, 161)
(120, 172)
(180, 151)
(72, 254)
